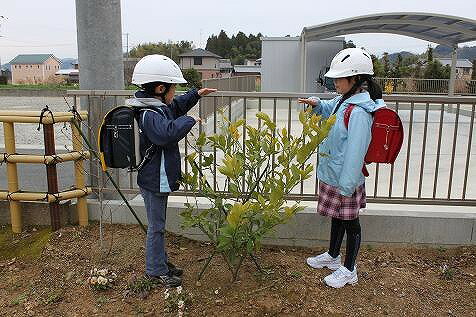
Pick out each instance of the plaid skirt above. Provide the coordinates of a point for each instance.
(331, 203)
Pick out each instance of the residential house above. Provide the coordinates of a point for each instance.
(226, 68)
(71, 75)
(33, 68)
(464, 68)
(252, 62)
(205, 62)
(245, 70)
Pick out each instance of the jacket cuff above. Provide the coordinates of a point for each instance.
(195, 92)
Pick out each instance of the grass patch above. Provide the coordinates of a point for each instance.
(19, 300)
(52, 298)
(18, 246)
(141, 285)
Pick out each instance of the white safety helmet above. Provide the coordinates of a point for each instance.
(157, 68)
(351, 62)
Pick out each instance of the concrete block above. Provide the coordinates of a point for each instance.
(431, 230)
(311, 225)
(307, 229)
(38, 213)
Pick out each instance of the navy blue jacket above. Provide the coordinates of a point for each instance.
(165, 126)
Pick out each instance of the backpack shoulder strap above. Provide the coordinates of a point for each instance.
(347, 113)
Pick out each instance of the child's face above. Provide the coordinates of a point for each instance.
(344, 85)
(169, 96)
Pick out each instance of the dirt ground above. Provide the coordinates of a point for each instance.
(44, 274)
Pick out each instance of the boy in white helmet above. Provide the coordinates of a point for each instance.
(163, 124)
(341, 180)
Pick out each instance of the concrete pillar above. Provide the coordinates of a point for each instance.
(100, 44)
(303, 62)
(101, 65)
(454, 56)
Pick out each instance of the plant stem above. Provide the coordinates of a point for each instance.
(235, 273)
(255, 261)
(256, 184)
(206, 265)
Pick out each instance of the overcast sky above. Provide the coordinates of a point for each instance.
(49, 26)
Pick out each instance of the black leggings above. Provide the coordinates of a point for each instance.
(338, 228)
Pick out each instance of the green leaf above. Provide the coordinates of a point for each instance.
(263, 116)
(234, 189)
(261, 200)
(207, 161)
(201, 139)
(302, 117)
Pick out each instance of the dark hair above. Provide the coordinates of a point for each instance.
(371, 86)
(149, 88)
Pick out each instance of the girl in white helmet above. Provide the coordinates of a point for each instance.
(163, 124)
(341, 180)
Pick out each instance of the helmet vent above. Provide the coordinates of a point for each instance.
(346, 57)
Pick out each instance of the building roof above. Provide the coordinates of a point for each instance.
(225, 63)
(72, 71)
(460, 63)
(247, 69)
(199, 52)
(437, 28)
(32, 59)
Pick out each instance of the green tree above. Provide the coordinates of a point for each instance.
(397, 68)
(435, 70)
(473, 75)
(253, 200)
(237, 48)
(171, 49)
(386, 65)
(193, 78)
(378, 67)
(471, 85)
(429, 54)
(349, 44)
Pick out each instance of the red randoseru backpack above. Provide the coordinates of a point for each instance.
(387, 136)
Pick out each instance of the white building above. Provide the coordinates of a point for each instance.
(289, 65)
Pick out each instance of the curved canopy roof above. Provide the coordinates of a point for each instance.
(437, 28)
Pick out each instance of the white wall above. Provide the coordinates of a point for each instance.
(280, 68)
(319, 55)
(281, 63)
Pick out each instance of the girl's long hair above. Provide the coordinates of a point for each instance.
(368, 83)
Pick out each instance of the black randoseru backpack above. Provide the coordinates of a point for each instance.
(118, 139)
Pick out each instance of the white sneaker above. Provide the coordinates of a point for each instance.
(341, 277)
(324, 260)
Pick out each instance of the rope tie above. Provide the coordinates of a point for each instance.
(9, 195)
(42, 115)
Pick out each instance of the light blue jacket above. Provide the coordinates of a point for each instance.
(345, 150)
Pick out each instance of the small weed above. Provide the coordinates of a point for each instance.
(295, 274)
(53, 298)
(441, 249)
(447, 272)
(102, 300)
(19, 300)
(141, 285)
(370, 247)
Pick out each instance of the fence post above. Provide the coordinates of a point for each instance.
(81, 207)
(51, 175)
(12, 175)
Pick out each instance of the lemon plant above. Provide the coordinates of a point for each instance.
(259, 176)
